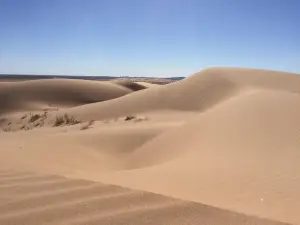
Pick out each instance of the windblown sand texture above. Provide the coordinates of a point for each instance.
(219, 147)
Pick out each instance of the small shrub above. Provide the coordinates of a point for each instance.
(129, 118)
(7, 129)
(70, 120)
(37, 124)
(24, 128)
(34, 118)
(65, 119)
(134, 118)
(59, 120)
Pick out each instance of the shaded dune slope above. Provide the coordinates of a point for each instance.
(267, 118)
(130, 85)
(41, 199)
(62, 92)
(76, 152)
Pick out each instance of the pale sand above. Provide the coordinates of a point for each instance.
(45, 199)
(227, 138)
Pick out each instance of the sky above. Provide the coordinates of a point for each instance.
(159, 38)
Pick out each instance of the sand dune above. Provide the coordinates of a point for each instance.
(195, 93)
(242, 155)
(224, 137)
(60, 92)
(198, 92)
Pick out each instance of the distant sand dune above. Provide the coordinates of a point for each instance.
(28, 94)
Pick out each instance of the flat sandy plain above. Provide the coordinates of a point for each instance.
(221, 146)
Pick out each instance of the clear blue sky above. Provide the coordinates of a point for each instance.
(147, 37)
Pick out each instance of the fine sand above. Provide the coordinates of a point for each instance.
(219, 147)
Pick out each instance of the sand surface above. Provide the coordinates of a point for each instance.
(219, 147)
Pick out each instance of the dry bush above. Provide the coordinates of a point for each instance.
(135, 118)
(7, 129)
(59, 120)
(129, 117)
(70, 120)
(34, 117)
(65, 120)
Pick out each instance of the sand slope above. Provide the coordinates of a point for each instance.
(242, 155)
(224, 137)
(40, 199)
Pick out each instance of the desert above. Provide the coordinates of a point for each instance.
(220, 146)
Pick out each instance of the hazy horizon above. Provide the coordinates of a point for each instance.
(160, 38)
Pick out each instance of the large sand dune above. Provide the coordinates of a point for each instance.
(224, 137)
(198, 92)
